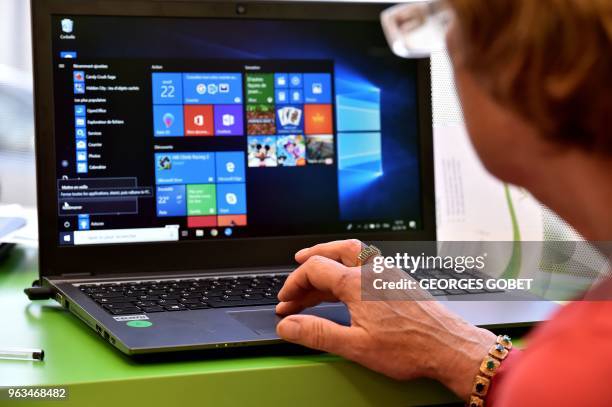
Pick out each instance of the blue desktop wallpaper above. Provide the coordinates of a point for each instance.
(375, 94)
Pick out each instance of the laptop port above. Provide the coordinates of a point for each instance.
(106, 335)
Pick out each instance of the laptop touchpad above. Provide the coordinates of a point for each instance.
(263, 322)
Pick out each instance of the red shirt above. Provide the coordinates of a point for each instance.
(567, 362)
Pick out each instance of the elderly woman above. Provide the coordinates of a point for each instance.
(535, 82)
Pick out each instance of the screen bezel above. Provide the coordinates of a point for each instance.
(184, 256)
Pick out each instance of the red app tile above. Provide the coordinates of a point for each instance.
(199, 120)
(201, 221)
(318, 119)
(232, 220)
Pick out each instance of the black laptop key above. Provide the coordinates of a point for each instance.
(119, 305)
(176, 307)
(108, 295)
(153, 309)
(197, 306)
(190, 301)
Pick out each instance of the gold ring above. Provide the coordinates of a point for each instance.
(367, 253)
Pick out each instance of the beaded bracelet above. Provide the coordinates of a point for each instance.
(488, 368)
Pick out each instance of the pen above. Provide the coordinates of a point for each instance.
(22, 354)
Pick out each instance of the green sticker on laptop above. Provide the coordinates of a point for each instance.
(139, 324)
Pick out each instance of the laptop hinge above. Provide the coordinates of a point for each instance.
(77, 275)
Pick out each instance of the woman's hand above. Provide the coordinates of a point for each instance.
(401, 339)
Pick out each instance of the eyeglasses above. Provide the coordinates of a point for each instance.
(415, 30)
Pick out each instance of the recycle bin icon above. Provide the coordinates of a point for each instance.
(67, 25)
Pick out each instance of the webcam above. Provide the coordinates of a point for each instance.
(241, 9)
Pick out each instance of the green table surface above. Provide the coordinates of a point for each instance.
(96, 374)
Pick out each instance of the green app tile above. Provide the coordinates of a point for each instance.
(201, 200)
(260, 88)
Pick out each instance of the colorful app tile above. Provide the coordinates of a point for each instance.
(282, 96)
(296, 80)
(81, 133)
(167, 88)
(80, 111)
(199, 120)
(290, 119)
(318, 119)
(260, 88)
(291, 151)
(261, 120)
(80, 121)
(201, 222)
(81, 156)
(317, 88)
(82, 168)
(228, 120)
(83, 222)
(296, 96)
(230, 167)
(232, 220)
(212, 88)
(281, 81)
(231, 199)
(168, 121)
(81, 145)
(171, 200)
(320, 149)
(184, 168)
(201, 200)
(79, 88)
(78, 76)
(262, 151)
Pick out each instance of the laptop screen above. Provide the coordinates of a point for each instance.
(171, 129)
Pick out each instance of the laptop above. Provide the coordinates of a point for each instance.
(187, 149)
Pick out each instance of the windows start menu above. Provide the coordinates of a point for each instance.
(275, 118)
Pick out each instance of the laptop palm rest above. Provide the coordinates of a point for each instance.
(263, 322)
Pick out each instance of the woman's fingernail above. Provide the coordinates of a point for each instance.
(301, 252)
(289, 329)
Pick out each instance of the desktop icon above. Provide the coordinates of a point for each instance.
(84, 223)
(79, 110)
(213, 89)
(199, 233)
(231, 198)
(224, 87)
(214, 233)
(81, 133)
(198, 120)
(230, 167)
(79, 76)
(201, 89)
(67, 25)
(168, 120)
(81, 156)
(81, 145)
(228, 232)
(229, 120)
(80, 121)
(317, 88)
(82, 168)
(79, 88)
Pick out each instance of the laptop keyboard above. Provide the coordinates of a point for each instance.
(202, 293)
(185, 294)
